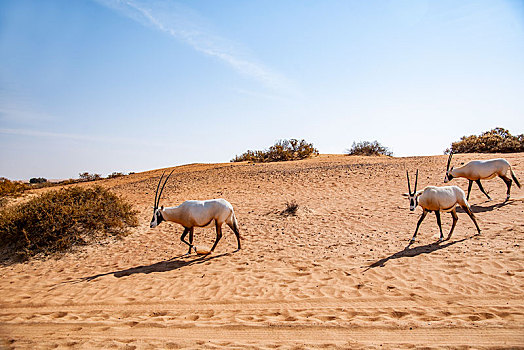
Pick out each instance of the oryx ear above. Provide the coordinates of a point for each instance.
(405, 194)
(162, 208)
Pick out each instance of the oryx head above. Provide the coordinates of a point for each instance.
(157, 212)
(413, 196)
(448, 177)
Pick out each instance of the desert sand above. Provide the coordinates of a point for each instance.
(339, 274)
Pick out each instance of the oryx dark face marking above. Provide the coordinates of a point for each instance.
(157, 219)
(413, 202)
(448, 176)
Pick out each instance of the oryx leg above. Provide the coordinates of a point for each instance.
(424, 213)
(439, 223)
(182, 238)
(190, 239)
(468, 211)
(469, 189)
(455, 219)
(219, 234)
(482, 189)
(237, 234)
(508, 182)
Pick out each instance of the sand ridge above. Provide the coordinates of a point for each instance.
(336, 275)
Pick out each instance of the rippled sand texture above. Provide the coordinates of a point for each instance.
(336, 275)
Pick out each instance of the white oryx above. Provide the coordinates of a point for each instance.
(191, 214)
(477, 170)
(438, 199)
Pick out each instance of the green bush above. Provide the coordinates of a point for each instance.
(497, 140)
(37, 180)
(282, 150)
(366, 148)
(57, 220)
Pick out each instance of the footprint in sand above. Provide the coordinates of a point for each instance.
(398, 314)
(327, 318)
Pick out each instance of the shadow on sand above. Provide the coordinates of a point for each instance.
(475, 208)
(174, 263)
(409, 252)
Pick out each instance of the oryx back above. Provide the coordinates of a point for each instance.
(442, 198)
(205, 213)
(483, 169)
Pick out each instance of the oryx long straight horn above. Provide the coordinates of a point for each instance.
(164, 185)
(409, 186)
(449, 160)
(156, 192)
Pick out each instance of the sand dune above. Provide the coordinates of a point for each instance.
(336, 275)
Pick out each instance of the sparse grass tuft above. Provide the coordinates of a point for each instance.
(57, 220)
(366, 148)
(291, 208)
(497, 140)
(282, 150)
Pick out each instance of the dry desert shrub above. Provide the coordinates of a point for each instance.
(115, 174)
(282, 150)
(11, 188)
(89, 177)
(291, 208)
(57, 220)
(366, 148)
(497, 140)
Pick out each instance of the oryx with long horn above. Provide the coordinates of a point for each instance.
(477, 170)
(438, 199)
(191, 214)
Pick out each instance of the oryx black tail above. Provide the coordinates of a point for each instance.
(514, 177)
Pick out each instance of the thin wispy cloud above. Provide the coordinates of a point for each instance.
(77, 137)
(10, 114)
(260, 95)
(38, 133)
(187, 26)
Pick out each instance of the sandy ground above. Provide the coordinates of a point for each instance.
(339, 274)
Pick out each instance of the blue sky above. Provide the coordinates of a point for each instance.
(109, 85)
